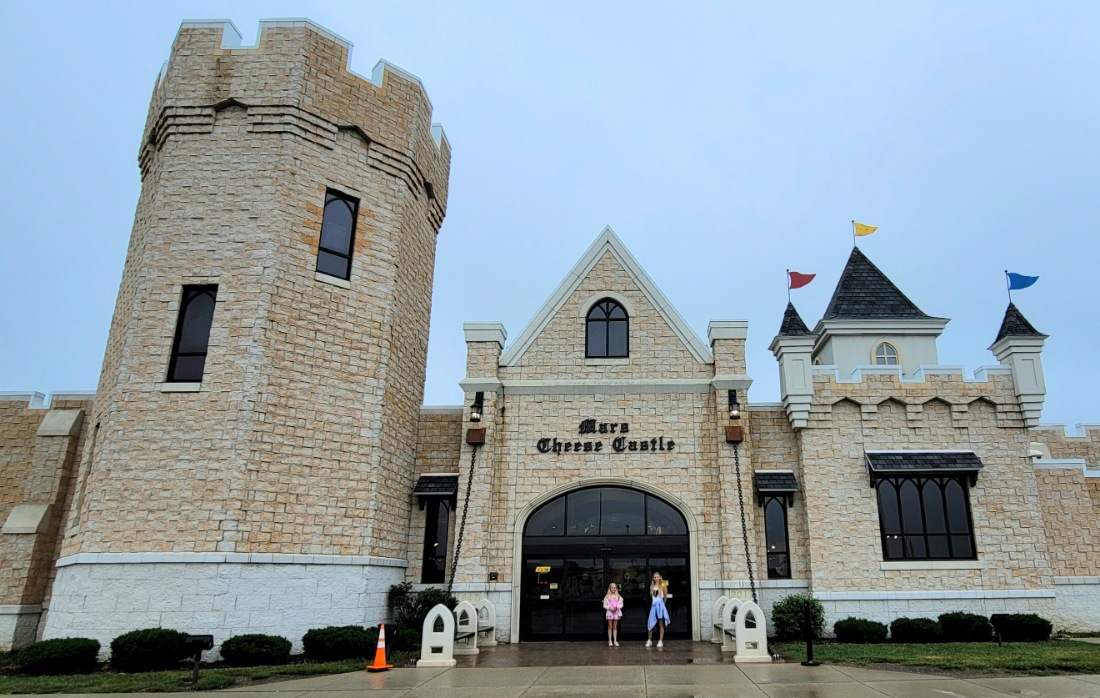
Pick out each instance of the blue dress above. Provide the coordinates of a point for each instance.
(658, 611)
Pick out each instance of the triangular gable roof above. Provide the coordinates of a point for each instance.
(607, 242)
(865, 293)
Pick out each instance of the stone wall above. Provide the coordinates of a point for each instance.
(438, 448)
(939, 412)
(301, 437)
(39, 456)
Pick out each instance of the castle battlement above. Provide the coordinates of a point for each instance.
(296, 81)
(41, 401)
(983, 374)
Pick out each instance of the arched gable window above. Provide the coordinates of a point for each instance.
(607, 331)
(886, 355)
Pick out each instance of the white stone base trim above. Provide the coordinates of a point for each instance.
(218, 558)
(1077, 608)
(18, 625)
(934, 595)
(103, 595)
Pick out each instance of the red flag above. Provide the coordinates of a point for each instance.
(799, 280)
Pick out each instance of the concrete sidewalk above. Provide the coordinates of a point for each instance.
(667, 681)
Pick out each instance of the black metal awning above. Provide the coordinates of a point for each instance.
(894, 463)
(774, 482)
(435, 486)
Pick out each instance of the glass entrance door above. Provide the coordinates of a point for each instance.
(562, 597)
(577, 544)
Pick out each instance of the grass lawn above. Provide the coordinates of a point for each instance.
(164, 681)
(1034, 658)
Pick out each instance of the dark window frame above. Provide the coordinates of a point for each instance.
(327, 253)
(778, 557)
(649, 526)
(178, 373)
(607, 307)
(433, 567)
(910, 538)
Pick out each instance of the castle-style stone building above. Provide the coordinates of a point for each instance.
(256, 457)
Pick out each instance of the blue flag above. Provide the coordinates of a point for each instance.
(1019, 281)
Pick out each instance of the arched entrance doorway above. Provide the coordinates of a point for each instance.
(577, 543)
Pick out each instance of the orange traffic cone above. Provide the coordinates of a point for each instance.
(380, 653)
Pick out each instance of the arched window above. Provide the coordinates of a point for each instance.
(605, 511)
(886, 355)
(606, 331)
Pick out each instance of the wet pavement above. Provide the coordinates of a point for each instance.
(681, 669)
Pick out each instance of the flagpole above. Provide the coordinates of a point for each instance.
(853, 232)
(788, 285)
(1008, 287)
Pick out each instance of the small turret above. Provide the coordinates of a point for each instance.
(869, 321)
(793, 347)
(1019, 346)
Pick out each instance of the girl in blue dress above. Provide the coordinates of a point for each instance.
(658, 612)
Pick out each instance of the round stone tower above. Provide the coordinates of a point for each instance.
(255, 422)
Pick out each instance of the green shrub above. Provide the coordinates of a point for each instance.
(336, 643)
(915, 630)
(859, 630)
(965, 627)
(152, 649)
(789, 617)
(256, 650)
(409, 609)
(1021, 627)
(68, 655)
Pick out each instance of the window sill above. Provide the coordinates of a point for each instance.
(932, 565)
(618, 361)
(332, 280)
(180, 387)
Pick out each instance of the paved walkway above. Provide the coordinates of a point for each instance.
(683, 669)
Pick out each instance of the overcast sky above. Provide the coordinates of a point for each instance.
(723, 142)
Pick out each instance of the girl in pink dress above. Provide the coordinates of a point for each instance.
(613, 604)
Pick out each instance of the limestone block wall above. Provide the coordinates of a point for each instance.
(776, 447)
(301, 437)
(655, 350)
(39, 455)
(285, 446)
(1069, 487)
(438, 449)
(941, 411)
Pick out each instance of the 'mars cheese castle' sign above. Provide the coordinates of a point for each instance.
(617, 440)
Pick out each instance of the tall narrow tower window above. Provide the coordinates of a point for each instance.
(192, 334)
(337, 235)
(607, 331)
(886, 355)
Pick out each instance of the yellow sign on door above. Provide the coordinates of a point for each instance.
(542, 569)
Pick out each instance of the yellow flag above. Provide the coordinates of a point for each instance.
(861, 229)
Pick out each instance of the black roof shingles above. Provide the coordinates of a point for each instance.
(922, 461)
(792, 323)
(775, 481)
(1016, 325)
(865, 293)
(436, 486)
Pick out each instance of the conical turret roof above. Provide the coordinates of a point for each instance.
(1016, 325)
(865, 293)
(792, 323)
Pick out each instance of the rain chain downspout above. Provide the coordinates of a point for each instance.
(462, 525)
(475, 437)
(735, 435)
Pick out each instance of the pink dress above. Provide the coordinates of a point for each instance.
(614, 607)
